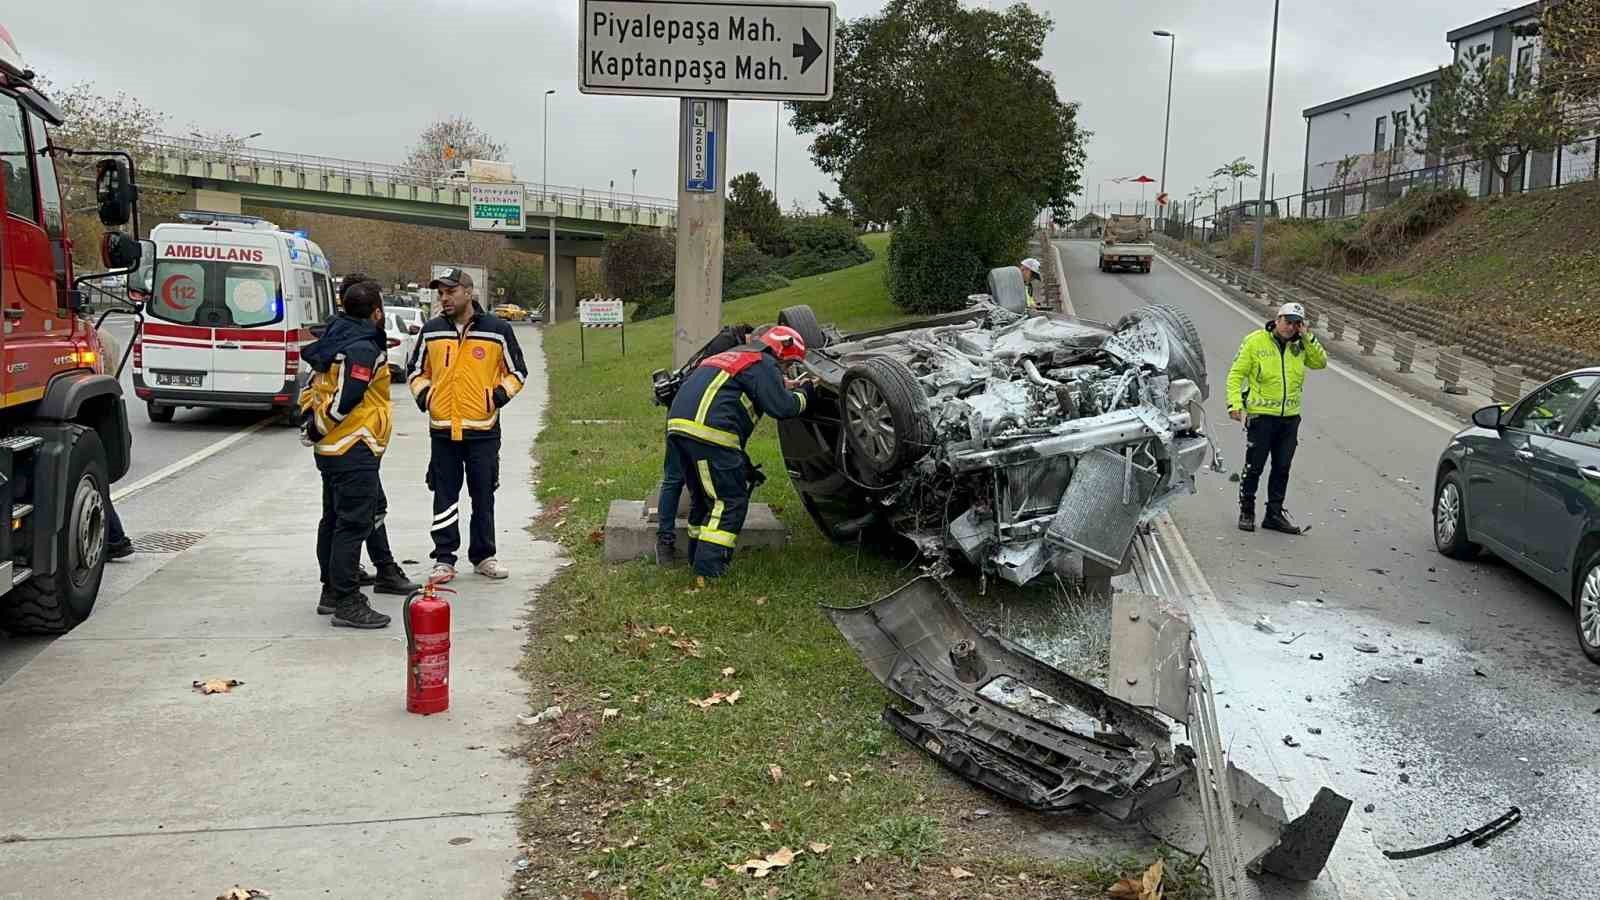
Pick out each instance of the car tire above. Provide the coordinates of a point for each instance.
(884, 415)
(158, 413)
(1192, 368)
(55, 603)
(804, 321)
(1586, 609)
(1450, 519)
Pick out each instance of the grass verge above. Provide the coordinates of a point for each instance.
(637, 792)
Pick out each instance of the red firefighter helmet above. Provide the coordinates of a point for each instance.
(786, 343)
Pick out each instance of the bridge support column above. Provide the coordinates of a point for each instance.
(213, 201)
(566, 288)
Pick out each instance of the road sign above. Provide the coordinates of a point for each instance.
(700, 148)
(746, 50)
(1161, 198)
(495, 207)
(598, 313)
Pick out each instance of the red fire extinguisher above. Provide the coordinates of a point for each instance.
(427, 618)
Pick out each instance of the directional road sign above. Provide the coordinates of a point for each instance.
(495, 207)
(747, 49)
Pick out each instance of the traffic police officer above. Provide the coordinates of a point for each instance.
(1264, 387)
(711, 419)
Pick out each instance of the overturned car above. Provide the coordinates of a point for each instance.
(1023, 445)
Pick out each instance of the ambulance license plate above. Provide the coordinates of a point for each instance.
(180, 379)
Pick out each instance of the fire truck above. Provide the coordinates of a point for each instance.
(63, 427)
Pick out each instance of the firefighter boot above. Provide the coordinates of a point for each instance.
(328, 602)
(666, 552)
(391, 579)
(1247, 518)
(1279, 521)
(365, 578)
(353, 612)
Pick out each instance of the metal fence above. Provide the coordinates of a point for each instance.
(213, 151)
(1574, 163)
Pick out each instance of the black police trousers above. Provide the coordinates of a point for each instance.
(1274, 437)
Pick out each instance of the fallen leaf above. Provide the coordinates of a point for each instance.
(709, 884)
(593, 874)
(665, 631)
(734, 697)
(766, 827)
(711, 701)
(815, 847)
(597, 537)
(775, 773)
(761, 601)
(813, 782)
(570, 638)
(728, 672)
(689, 648)
(239, 893)
(610, 714)
(760, 868)
(217, 685)
(959, 873)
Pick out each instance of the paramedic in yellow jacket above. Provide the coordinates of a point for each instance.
(466, 366)
(348, 420)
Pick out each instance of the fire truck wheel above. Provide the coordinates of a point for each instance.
(53, 604)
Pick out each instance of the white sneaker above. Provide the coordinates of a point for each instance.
(442, 573)
(492, 568)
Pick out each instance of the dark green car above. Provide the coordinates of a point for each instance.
(1524, 483)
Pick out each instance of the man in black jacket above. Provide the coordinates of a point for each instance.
(711, 420)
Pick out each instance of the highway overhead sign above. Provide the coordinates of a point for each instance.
(743, 49)
(495, 207)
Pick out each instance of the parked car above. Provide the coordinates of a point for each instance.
(1524, 482)
(402, 325)
(1023, 445)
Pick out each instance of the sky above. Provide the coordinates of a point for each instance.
(359, 80)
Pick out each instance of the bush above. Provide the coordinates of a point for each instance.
(929, 273)
(820, 244)
(745, 271)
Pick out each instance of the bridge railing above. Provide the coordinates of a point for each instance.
(538, 194)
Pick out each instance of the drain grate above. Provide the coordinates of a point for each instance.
(167, 541)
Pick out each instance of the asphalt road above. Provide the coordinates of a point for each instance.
(1488, 701)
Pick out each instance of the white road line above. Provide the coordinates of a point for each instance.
(1451, 427)
(195, 457)
(1356, 868)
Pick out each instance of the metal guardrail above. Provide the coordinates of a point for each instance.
(1462, 356)
(210, 151)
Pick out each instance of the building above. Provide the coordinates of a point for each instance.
(1365, 136)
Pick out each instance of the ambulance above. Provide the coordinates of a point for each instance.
(232, 299)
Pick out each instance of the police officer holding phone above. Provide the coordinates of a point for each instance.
(1264, 389)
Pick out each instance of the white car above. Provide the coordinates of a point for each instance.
(402, 324)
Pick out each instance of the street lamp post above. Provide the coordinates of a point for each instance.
(550, 246)
(544, 179)
(635, 194)
(1172, 58)
(1266, 144)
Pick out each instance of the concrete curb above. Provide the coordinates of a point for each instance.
(1341, 351)
(1061, 279)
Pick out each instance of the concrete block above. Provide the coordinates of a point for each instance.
(631, 530)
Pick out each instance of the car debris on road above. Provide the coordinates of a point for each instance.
(1478, 837)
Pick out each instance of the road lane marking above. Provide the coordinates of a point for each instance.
(1451, 427)
(198, 456)
(1356, 868)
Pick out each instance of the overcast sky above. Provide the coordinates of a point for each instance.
(360, 79)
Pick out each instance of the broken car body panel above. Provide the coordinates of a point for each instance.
(1025, 445)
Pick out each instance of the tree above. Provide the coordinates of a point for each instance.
(449, 140)
(945, 110)
(837, 207)
(1570, 64)
(1476, 109)
(641, 264)
(1238, 169)
(522, 276)
(753, 212)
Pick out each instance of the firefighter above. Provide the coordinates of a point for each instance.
(711, 419)
(1264, 387)
(348, 421)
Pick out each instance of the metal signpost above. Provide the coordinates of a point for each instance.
(496, 207)
(705, 52)
(599, 313)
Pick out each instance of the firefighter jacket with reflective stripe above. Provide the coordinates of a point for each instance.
(347, 402)
(721, 401)
(1268, 374)
(461, 376)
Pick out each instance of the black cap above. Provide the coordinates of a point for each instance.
(451, 278)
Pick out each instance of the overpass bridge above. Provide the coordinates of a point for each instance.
(563, 222)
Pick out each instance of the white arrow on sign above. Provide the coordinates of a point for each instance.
(744, 49)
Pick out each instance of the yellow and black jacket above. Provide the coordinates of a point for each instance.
(461, 377)
(347, 406)
(722, 400)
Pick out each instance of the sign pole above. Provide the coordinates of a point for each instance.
(702, 202)
(583, 353)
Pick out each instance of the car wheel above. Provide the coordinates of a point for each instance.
(159, 413)
(1586, 609)
(1191, 362)
(885, 415)
(804, 321)
(1450, 519)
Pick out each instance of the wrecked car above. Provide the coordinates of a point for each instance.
(1021, 444)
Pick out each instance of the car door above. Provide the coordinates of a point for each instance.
(250, 351)
(175, 346)
(1503, 468)
(1563, 499)
(28, 292)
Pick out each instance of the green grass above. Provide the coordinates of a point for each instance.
(665, 793)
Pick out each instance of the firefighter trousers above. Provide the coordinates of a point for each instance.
(719, 498)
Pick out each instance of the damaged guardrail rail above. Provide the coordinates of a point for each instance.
(1013, 724)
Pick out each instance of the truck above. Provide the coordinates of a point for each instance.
(1125, 243)
(64, 437)
(482, 170)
